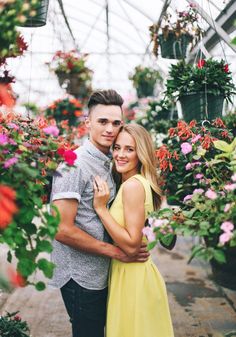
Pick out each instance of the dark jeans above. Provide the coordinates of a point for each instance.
(86, 309)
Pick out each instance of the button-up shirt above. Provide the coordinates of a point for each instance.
(90, 271)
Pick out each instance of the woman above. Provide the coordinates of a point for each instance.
(137, 300)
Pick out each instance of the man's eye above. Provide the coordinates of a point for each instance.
(102, 122)
(117, 123)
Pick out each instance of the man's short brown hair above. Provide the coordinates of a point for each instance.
(104, 97)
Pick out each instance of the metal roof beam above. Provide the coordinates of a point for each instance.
(215, 29)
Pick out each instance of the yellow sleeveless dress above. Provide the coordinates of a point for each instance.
(137, 299)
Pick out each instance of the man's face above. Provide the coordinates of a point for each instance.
(104, 124)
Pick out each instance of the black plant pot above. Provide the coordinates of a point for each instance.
(173, 47)
(201, 106)
(40, 18)
(225, 274)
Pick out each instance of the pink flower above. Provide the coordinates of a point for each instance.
(188, 167)
(234, 177)
(70, 157)
(3, 139)
(227, 226)
(211, 194)
(199, 176)
(188, 197)
(148, 231)
(51, 130)
(225, 237)
(10, 162)
(160, 222)
(196, 138)
(230, 187)
(198, 190)
(227, 207)
(13, 126)
(186, 148)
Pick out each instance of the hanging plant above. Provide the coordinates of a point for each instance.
(19, 49)
(144, 80)
(174, 35)
(72, 72)
(13, 13)
(201, 88)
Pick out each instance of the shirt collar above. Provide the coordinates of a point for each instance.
(97, 153)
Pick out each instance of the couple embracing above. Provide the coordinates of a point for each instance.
(108, 282)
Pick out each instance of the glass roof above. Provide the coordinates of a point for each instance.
(114, 33)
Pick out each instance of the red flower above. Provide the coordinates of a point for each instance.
(17, 318)
(201, 63)
(7, 205)
(16, 279)
(171, 132)
(70, 157)
(219, 123)
(61, 151)
(226, 68)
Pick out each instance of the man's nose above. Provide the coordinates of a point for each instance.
(109, 127)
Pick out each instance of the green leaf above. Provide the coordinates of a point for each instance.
(40, 286)
(151, 245)
(44, 246)
(46, 267)
(9, 256)
(26, 267)
(219, 256)
(223, 146)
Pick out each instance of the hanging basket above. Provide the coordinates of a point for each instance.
(173, 47)
(74, 85)
(201, 106)
(40, 18)
(145, 89)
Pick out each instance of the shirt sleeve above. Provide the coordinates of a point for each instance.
(68, 183)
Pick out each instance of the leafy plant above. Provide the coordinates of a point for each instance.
(11, 325)
(209, 76)
(144, 80)
(199, 170)
(30, 152)
(69, 109)
(184, 23)
(13, 13)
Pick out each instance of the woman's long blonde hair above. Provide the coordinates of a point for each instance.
(147, 159)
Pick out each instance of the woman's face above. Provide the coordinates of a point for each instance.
(125, 155)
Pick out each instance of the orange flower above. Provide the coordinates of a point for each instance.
(78, 113)
(7, 205)
(6, 96)
(64, 112)
(206, 143)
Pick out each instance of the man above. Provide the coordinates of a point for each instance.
(82, 250)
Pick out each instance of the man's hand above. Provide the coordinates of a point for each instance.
(142, 255)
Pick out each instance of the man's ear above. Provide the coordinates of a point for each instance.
(87, 123)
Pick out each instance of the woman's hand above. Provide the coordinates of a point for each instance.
(101, 194)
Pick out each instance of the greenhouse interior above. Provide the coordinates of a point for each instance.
(118, 168)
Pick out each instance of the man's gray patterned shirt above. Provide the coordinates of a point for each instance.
(89, 271)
